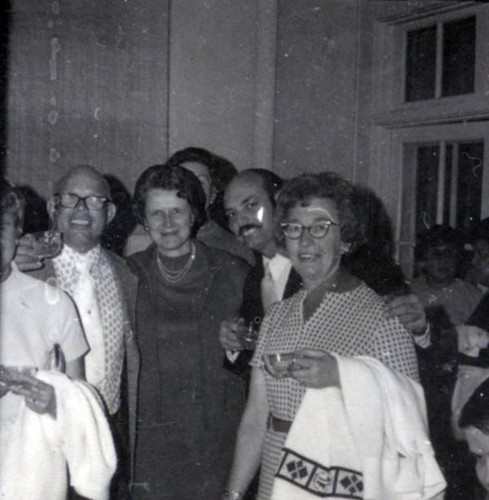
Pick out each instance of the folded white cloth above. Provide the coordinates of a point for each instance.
(38, 449)
(366, 441)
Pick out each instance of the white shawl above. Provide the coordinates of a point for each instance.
(368, 440)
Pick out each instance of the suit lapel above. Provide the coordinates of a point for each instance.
(294, 284)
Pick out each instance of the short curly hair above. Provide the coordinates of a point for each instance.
(12, 202)
(172, 178)
(300, 190)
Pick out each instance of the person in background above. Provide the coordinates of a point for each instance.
(115, 235)
(478, 273)
(471, 369)
(36, 216)
(439, 287)
(213, 172)
(220, 170)
(334, 312)
(249, 202)
(370, 258)
(104, 291)
(42, 349)
(189, 404)
(474, 424)
(448, 301)
(473, 336)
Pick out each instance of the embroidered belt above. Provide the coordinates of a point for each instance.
(279, 425)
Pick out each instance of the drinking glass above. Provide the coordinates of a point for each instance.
(47, 244)
(279, 364)
(248, 334)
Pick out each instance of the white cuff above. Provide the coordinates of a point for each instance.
(424, 340)
(232, 355)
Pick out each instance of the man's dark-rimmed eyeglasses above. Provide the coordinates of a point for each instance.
(71, 200)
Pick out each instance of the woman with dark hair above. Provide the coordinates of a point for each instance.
(335, 312)
(189, 405)
(214, 173)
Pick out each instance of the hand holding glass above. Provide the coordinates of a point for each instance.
(279, 364)
(247, 334)
(47, 244)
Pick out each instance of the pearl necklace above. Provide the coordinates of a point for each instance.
(175, 276)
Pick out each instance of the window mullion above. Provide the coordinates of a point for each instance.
(453, 186)
(441, 183)
(439, 60)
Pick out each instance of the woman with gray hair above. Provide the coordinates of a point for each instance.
(335, 312)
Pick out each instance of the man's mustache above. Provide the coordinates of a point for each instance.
(247, 227)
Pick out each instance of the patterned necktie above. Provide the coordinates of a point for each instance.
(268, 289)
(86, 300)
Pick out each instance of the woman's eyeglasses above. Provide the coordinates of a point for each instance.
(294, 230)
(71, 200)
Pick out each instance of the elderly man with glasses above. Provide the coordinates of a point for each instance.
(101, 285)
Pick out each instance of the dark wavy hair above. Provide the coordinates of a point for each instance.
(172, 178)
(221, 172)
(300, 190)
(220, 169)
(12, 202)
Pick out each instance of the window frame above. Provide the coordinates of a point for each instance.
(402, 141)
(390, 42)
(439, 28)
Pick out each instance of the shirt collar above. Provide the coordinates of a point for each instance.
(68, 254)
(277, 264)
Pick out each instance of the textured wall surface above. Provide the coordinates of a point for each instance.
(121, 83)
(87, 84)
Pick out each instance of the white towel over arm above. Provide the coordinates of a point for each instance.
(40, 449)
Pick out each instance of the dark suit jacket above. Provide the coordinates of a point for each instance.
(252, 307)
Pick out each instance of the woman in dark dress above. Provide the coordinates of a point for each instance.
(189, 405)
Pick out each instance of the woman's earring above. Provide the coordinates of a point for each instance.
(146, 228)
(345, 248)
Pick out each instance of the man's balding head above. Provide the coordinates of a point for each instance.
(83, 172)
(81, 226)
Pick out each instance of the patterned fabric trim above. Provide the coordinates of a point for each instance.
(324, 482)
